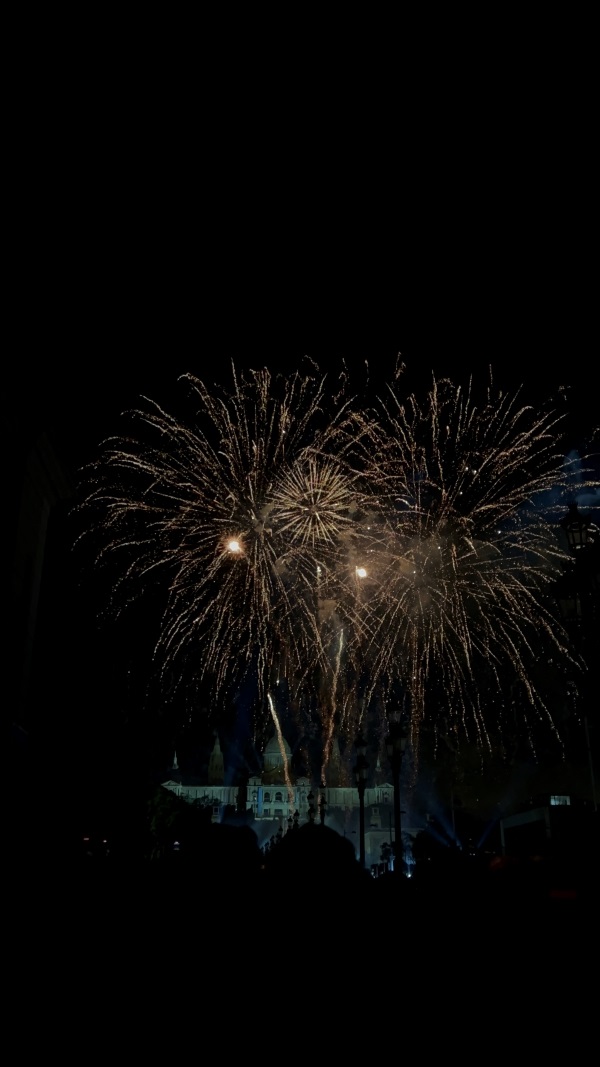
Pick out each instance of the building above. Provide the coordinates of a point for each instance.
(277, 798)
(552, 826)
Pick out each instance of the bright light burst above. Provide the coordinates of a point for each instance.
(313, 504)
(240, 512)
(403, 554)
(466, 555)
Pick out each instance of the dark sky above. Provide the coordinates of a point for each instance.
(165, 226)
(162, 229)
(153, 241)
(96, 346)
(150, 247)
(109, 337)
(114, 305)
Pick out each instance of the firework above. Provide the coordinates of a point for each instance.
(461, 607)
(239, 512)
(394, 556)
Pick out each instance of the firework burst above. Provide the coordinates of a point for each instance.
(467, 555)
(239, 512)
(396, 556)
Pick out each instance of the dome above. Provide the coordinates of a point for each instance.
(273, 747)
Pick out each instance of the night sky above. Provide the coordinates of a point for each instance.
(129, 275)
(110, 321)
(109, 347)
(244, 191)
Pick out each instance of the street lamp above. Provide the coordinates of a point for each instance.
(576, 527)
(395, 744)
(311, 807)
(322, 806)
(577, 594)
(361, 770)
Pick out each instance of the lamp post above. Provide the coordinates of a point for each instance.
(322, 806)
(578, 601)
(576, 527)
(395, 744)
(311, 807)
(361, 770)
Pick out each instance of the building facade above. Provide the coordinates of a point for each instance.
(278, 799)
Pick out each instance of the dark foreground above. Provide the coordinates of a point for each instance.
(225, 954)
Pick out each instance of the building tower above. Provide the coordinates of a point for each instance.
(216, 765)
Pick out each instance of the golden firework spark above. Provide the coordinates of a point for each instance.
(400, 552)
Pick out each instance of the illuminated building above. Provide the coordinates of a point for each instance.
(276, 797)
